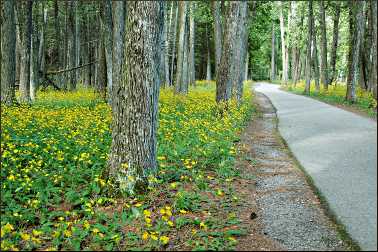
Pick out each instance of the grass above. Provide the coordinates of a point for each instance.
(54, 198)
(335, 95)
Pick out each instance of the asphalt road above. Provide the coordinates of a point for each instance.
(338, 149)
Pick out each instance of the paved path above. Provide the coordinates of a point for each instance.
(338, 149)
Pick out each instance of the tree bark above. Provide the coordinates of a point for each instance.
(119, 16)
(166, 48)
(357, 21)
(218, 32)
(174, 39)
(335, 38)
(24, 14)
(246, 66)
(134, 144)
(208, 61)
(8, 52)
(373, 73)
(180, 48)
(308, 49)
(273, 57)
(323, 47)
(192, 72)
(34, 54)
(315, 59)
(77, 41)
(185, 65)
(224, 74)
(71, 57)
(107, 36)
(285, 58)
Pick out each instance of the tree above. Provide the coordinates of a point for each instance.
(323, 46)
(315, 59)
(71, 50)
(133, 150)
(225, 74)
(373, 73)
(273, 58)
(284, 49)
(24, 17)
(8, 52)
(335, 38)
(356, 25)
(174, 38)
(179, 85)
(218, 31)
(192, 71)
(119, 16)
(310, 26)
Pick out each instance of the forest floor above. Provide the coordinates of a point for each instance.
(337, 149)
(280, 209)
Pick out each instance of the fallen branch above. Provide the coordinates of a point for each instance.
(70, 69)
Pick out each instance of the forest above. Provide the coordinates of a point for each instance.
(122, 122)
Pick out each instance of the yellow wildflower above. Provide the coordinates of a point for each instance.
(164, 239)
(145, 235)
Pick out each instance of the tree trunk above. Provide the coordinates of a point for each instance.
(308, 49)
(192, 74)
(208, 61)
(24, 14)
(224, 72)
(102, 81)
(273, 57)
(246, 66)
(185, 65)
(240, 51)
(285, 60)
(163, 48)
(335, 38)
(174, 39)
(180, 49)
(8, 52)
(218, 32)
(42, 43)
(373, 73)
(357, 25)
(77, 41)
(71, 57)
(119, 16)
(134, 144)
(34, 60)
(166, 48)
(323, 47)
(315, 59)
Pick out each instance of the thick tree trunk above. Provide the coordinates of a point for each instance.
(285, 58)
(173, 42)
(224, 72)
(273, 57)
(134, 145)
(8, 52)
(308, 48)
(119, 16)
(218, 32)
(180, 48)
(323, 47)
(373, 73)
(163, 48)
(335, 38)
(357, 25)
(192, 72)
(34, 62)
(24, 14)
(42, 43)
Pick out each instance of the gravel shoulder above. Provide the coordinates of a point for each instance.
(338, 150)
(286, 214)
